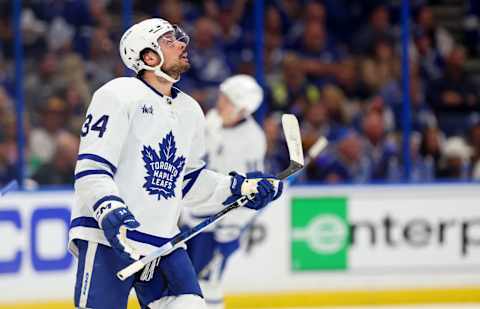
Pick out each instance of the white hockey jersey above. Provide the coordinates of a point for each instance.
(142, 149)
(241, 149)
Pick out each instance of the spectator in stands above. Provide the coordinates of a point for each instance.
(349, 79)
(6, 104)
(43, 138)
(380, 148)
(346, 162)
(337, 106)
(171, 10)
(77, 98)
(421, 113)
(43, 81)
(315, 123)
(33, 34)
(431, 147)
(321, 58)
(314, 12)
(9, 146)
(231, 33)
(474, 139)
(376, 104)
(7, 142)
(441, 40)
(6, 32)
(7, 168)
(291, 12)
(429, 58)
(274, 41)
(378, 26)
(60, 170)
(292, 91)
(472, 27)
(381, 67)
(454, 96)
(455, 161)
(422, 168)
(101, 64)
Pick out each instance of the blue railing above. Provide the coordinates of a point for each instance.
(19, 102)
(407, 116)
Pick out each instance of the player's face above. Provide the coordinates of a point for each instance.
(227, 111)
(174, 54)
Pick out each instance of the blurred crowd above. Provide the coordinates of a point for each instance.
(336, 64)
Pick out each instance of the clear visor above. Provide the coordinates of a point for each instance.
(176, 35)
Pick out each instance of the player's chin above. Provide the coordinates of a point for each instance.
(184, 66)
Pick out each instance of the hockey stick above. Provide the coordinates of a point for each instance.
(291, 131)
(12, 185)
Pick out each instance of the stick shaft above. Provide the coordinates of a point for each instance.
(188, 234)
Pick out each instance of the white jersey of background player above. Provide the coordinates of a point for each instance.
(139, 159)
(235, 141)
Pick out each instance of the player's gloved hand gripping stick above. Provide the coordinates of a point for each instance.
(291, 131)
(115, 219)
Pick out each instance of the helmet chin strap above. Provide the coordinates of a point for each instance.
(158, 71)
(162, 74)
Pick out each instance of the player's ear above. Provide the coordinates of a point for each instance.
(149, 57)
(243, 113)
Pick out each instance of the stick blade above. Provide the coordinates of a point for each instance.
(291, 130)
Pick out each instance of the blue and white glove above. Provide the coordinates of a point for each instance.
(115, 220)
(258, 183)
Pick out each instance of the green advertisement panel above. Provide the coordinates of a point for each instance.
(319, 233)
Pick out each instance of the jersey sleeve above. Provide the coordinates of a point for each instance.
(202, 186)
(102, 138)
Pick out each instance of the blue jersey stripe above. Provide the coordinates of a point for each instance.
(107, 198)
(97, 158)
(85, 222)
(92, 172)
(147, 238)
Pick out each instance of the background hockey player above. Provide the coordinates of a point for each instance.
(234, 142)
(140, 155)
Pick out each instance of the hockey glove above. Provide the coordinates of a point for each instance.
(114, 221)
(264, 190)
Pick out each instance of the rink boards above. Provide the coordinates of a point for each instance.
(317, 245)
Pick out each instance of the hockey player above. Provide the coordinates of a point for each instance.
(231, 131)
(139, 159)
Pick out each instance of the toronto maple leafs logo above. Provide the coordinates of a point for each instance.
(163, 168)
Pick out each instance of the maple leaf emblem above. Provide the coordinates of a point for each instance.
(163, 168)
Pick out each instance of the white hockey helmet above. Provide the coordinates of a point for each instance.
(145, 35)
(243, 91)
